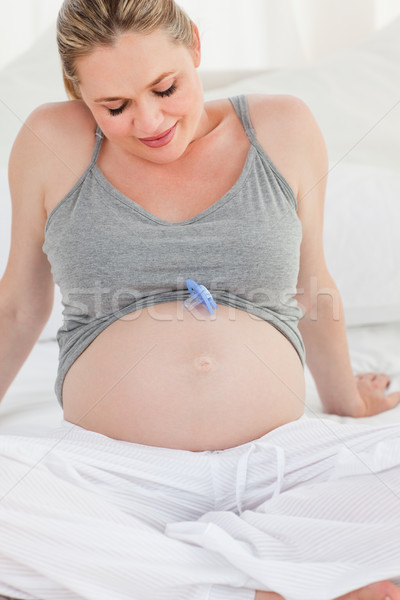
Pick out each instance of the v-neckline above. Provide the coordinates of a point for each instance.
(232, 192)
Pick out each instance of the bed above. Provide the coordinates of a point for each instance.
(355, 98)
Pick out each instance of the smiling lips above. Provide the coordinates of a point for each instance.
(160, 140)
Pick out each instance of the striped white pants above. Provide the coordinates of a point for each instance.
(311, 510)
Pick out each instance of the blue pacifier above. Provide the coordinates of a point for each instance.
(199, 295)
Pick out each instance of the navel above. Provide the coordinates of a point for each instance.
(203, 364)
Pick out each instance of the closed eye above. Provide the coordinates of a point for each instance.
(164, 94)
(167, 92)
(117, 111)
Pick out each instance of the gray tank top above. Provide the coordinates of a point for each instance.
(110, 256)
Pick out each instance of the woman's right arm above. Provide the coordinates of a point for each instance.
(26, 288)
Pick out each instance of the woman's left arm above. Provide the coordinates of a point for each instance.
(323, 326)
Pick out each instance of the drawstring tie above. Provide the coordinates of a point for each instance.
(241, 474)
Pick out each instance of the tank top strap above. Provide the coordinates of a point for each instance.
(241, 107)
(99, 140)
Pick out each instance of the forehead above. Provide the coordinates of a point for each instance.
(136, 59)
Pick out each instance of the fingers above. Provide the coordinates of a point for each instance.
(371, 387)
(393, 399)
(378, 380)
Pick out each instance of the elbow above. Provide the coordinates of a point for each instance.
(35, 316)
(321, 302)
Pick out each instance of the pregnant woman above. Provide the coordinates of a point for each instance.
(183, 468)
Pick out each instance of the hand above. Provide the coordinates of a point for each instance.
(371, 387)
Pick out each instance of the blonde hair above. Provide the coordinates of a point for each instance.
(83, 25)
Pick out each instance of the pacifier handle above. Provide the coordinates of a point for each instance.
(199, 295)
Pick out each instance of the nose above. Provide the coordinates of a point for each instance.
(147, 119)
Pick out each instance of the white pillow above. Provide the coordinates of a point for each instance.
(32, 79)
(56, 317)
(361, 238)
(354, 96)
(349, 93)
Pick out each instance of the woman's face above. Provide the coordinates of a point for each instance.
(145, 94)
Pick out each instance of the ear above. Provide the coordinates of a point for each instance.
(196, 47)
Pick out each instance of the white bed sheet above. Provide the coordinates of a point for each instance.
(373, 348)
(30, 404)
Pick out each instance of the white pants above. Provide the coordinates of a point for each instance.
(311, 511)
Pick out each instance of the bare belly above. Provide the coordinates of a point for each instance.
(165, 376)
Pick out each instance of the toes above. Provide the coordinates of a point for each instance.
(382, 590)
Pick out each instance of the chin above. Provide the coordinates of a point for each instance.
(163, 158)
(166, 154)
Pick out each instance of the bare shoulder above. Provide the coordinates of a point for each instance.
(286, 105)
(289, 133)
(53, 148)
(51, 132)
(281, 113)
(53, 129)
(40, 154)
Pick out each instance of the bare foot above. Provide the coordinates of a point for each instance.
(267, 596)
(383, 590)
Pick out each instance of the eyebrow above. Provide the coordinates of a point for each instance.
(155, 82)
